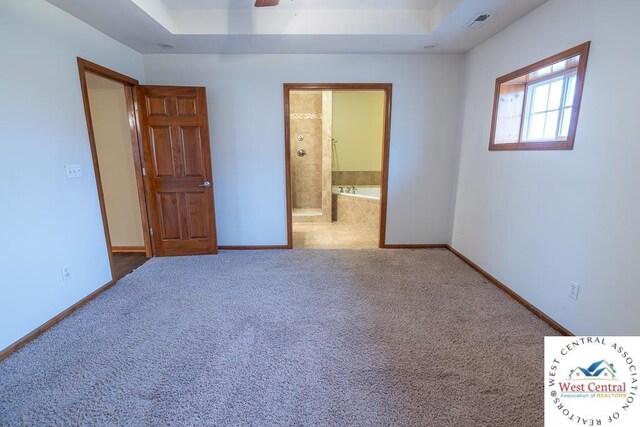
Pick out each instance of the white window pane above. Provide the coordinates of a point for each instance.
(509, 114)
(551, 125)
(536, 126)
(540, 98)
(573, 61)
(571, 89)
(566, 119)
(543, 71)
(555, 93)
(559, 66)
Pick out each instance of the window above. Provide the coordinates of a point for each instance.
(536, 107)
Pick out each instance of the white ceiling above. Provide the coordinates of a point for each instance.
(305, 4)
(298, 26)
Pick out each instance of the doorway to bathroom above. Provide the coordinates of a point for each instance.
(336, 154)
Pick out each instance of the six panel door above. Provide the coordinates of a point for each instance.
(177, 155)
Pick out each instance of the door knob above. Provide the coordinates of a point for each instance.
(205, 184)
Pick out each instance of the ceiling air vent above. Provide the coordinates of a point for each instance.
(478, 20)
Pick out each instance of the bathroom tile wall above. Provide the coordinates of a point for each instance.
(305, 102)
(327, 136)
(356, 210)
(357, 177)
(306, 171)
(310, 125)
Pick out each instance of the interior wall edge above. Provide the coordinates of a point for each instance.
(514, 295)
(21, 342)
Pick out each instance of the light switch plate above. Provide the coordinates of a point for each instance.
(73, 171)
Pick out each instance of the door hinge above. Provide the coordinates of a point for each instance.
(144, 172)
(150, 231)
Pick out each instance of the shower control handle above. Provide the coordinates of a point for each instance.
(205, 184)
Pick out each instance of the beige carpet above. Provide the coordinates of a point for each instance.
(302, 337)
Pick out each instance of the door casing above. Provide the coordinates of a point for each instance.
(387, 89)
(130, 85)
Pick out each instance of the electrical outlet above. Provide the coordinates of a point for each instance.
(73, 171)
(66, 272)
(574, 290)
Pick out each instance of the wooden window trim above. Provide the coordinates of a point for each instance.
(565, 144)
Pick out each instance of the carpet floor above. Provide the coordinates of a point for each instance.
(302, 337)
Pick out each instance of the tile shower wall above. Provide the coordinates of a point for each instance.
(327, 137)
(310, 126)
(357, 177)
(306, 133)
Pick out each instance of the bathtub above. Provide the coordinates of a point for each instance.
(362, 208)
(363, 192)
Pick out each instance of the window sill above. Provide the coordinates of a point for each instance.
(532, 146)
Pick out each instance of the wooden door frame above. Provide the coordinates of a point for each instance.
(130, 86)
(387, 88)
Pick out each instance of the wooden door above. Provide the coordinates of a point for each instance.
(175, 139)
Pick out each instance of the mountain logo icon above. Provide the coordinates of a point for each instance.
(601, 370)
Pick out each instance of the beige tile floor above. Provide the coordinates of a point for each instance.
(333, 236)
(307, 211)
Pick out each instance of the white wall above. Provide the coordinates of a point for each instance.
(538, 220)
(111, 130)
(247, 135)
(46, 220)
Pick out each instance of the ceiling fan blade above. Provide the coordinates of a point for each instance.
(266, 3)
